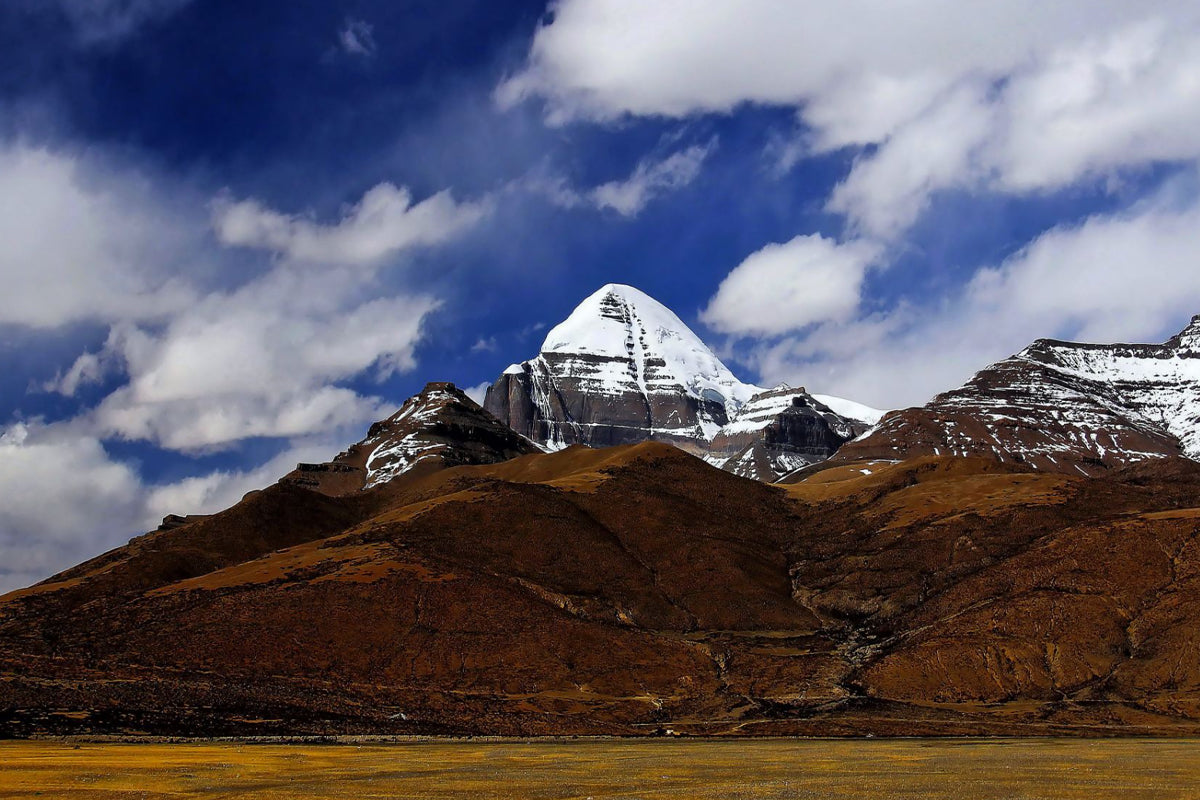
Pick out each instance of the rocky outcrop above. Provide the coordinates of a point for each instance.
(439, 427)
(1060, 406)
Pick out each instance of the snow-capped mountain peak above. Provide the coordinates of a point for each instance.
(655, 346)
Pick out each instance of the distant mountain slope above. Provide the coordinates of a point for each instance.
(1060, 406)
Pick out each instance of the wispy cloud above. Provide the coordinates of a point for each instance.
(357, 37)
(629, 196)
(98, 23)
(485, 345)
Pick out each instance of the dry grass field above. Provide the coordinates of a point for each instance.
(645, 769)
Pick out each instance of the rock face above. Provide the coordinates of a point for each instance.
(778, 432)
(1060, 406)
(623, 368)
(439, 427)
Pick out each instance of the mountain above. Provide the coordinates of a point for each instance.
(1016, 558)
(1059, 406)
(623, 368)
(631, 590)
(439, 427)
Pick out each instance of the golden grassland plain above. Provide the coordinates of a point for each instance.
(646, 769)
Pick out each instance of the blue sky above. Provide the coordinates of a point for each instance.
(236, 233)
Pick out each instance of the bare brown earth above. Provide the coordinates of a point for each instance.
(1049, 769)
(636, 590)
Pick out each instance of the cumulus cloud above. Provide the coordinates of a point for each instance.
(357, 37)
(87, 241)
(216, 491)
(1124, 277)
(607, 58)
(98, 502)
(384, 222)
(63, 500)
(206, 347)
(997, 95)
(263, 360)
(477, 392)
(1088, 110)
(884, 194)
(789, 286)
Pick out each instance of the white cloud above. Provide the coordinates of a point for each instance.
(606, 58)
(995, 95)
(477, 392)
(63, 500)
(216, 491)
(887, 192)
(789, 286)
(88, 368)
(382, 224)
(263, 360)
(209, 347)
(66, 499)
(1087, 110)
(357, 37)
(483, 345)
(1125, 277)
(83, 240)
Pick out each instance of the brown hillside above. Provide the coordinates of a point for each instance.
(634, 589)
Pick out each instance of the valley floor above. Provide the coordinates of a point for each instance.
(1131, 769)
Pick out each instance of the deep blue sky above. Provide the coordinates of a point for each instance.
(157, 115)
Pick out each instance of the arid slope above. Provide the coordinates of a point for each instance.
(632, 590)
